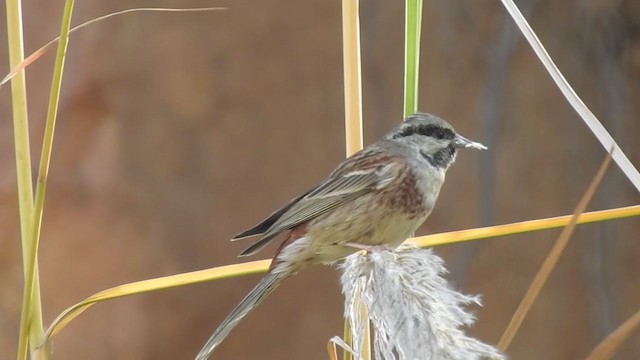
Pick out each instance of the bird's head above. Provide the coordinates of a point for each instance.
(434, 138)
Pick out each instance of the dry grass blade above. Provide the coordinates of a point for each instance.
(352, 87)
(332, 350)
(38, 53)
(166, 282)
(352, 75)
(334, 343)
(607, 348)
(453, 237)
(572, 97)
(551, 261)
(262, 265)
(348, 338)
(26, 62)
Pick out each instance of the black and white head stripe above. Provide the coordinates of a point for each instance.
(434, 130)
(425, 125)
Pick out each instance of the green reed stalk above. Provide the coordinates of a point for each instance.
(412, 29)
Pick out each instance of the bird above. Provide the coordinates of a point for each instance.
(377, 197)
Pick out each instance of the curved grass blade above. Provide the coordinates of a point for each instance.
(38, 53)
(217, 273)
(261, 266)
(572, 97)
(334, 343)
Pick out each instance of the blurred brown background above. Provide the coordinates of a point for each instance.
(176, 131)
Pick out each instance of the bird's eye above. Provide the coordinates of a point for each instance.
(439, 134)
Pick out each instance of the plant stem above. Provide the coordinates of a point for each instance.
(31, 316)
(352, 75)
(413, 26)
(352, 100)
(32, 277)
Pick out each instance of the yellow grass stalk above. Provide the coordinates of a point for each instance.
(550, 262)
(607, 348)
(352, 99)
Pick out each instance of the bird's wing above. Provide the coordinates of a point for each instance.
(269, 221)
(338, 189)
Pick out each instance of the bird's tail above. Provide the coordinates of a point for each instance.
(255, 297)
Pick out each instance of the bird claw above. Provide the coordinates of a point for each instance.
(370, 248)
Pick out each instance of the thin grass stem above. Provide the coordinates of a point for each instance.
(607, 348)
(572, 97)
(31, 304)
(31, 316)
(352, 75)
(352, 92)
(550, 261)
(413, 26)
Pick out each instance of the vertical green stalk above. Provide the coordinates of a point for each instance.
(50, 124)
(348, 339)
(31, 317)
(20, 120)
(31, 325)
(412, 29)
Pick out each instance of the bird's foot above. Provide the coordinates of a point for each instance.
(370, 248)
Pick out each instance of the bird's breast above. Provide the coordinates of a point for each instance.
(407, 196)
(384, 217)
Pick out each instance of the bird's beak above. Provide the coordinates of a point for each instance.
(462, 142)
